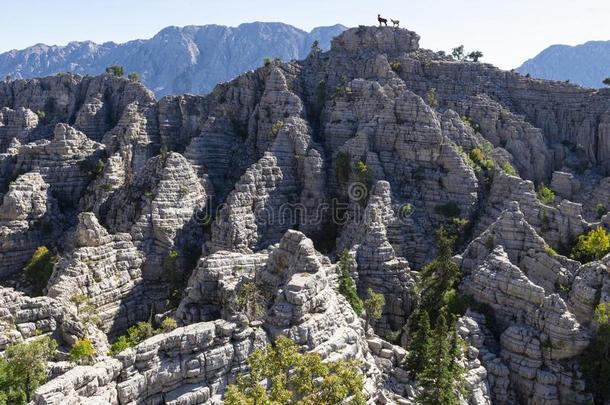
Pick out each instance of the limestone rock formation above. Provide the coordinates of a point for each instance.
(173, 209)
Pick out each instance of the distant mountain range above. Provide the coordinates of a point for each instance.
(587, 64)
(190, 59)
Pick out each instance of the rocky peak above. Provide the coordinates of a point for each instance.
(382, 39)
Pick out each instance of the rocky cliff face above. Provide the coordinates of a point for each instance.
(168, 208)
(177, 60)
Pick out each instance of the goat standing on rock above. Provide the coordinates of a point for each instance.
(382, 20)
(395, 23)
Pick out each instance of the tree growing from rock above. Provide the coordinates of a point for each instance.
(347, 287)
(279, 374)
(23, 369)
(373, 305)
(439, 276)
(115, 70)
(82, 351)
(250, 301)
(606, 81)
(420, 347)
(441, 375)
(591, 246)
(40, 268)
(474, 56)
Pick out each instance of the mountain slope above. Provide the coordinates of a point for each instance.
(190, 59)
(587, 64)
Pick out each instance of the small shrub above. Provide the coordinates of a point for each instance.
(508, 168)
(267, 61)
(122, 343)
(545, 194)
(133, 77)
(168, 325)
(277, 127)
(406, 210)
(449, 210)
(39, 269)
(479, 157)
(592, 246)
(250, 301)
(396, 66)
(361, 167)
(373, 305)
(474, 125)
(606, 81)
(140, 332)
(115, 70)
(342, 167)
(315, 45)
(82, 352)
(41, 115)
(550, 251)
(347, 287)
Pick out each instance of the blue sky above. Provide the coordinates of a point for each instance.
(507, 31)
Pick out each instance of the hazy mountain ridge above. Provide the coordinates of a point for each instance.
(587, 64)
(191, 59)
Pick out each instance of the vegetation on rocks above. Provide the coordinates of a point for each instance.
(40, 268)
(135, 334)
(373, 305)
(250, 301)
(545, 194)
(133, 77)
(23, 369)
(279, 374)
(115, 70)
(593, 245)
(347, 287)
(82, 352)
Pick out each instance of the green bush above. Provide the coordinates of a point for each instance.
(140, 332)
(373, 305)
(23, 368)
(342, 169)
(82, 352)
(458, 52)
(545, 194)
(134, 77)
(120, 344)
(267, 61)
(115, 70)
(449, 210)
(508, 168)
(250, 301)
(474, 125)
(361, 167)
(347, 287)
(479, 157)
(396, 66)
(591, 246)
(168, 325)
(40, 268)
(279, 374)
(606, 81)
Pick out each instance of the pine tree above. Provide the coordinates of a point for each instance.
(438, 276)
(420, 346)
(437, 381)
